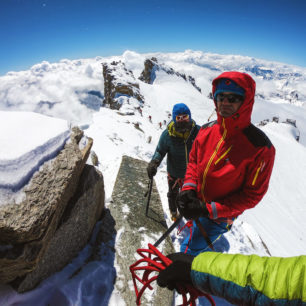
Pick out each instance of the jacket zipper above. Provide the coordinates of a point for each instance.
(257, 172)
(212, 158)
(186, 154)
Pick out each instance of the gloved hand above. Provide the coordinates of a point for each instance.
(152, 168)
(190, 206)
(178, 273)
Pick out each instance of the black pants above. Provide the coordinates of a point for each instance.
(174, 185)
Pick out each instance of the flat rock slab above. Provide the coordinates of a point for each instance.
(135, 230)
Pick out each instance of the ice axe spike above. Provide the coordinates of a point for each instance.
(168, 231)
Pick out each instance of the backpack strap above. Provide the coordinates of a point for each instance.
(209, 124)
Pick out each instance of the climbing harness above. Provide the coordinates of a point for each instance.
(154, 261)
(178, 182)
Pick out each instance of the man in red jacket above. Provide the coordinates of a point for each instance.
(229, 167)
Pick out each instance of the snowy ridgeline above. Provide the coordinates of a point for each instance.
(27, 141)
(77, 85)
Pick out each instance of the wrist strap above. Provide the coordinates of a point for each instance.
(203, 232)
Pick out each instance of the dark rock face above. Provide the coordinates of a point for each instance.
(148, 75)
(94, 158)
(119, 84)
(134, 229)
(27, 229)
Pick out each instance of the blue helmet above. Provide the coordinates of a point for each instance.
(179, 109)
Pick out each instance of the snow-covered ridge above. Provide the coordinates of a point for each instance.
(27, 141)
(78, 86)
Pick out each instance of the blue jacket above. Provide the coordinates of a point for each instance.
(177, 147)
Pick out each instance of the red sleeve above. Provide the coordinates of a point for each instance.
(255, 187)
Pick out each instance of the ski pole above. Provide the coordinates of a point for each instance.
(149, 195)
(168, 231)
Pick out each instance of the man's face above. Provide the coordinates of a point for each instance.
(228, 103)
(183, 124)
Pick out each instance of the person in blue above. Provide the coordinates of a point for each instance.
(175, 142)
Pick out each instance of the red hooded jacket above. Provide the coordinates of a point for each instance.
(231, 160)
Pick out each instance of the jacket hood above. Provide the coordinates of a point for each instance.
(242, 118)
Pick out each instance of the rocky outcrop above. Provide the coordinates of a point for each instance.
(74, 229)
(54, 195)
(148, 75)
(120, 85)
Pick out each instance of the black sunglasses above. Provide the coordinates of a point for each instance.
(231, 98)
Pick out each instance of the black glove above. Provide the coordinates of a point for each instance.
(178, 273)
(190, 206)
(152, 168)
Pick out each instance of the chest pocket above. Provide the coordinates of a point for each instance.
(229, 165)
(222, 158)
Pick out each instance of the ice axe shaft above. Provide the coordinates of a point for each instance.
(148, 193)
(168, 231)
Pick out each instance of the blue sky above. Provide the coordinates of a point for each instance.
(35, 30)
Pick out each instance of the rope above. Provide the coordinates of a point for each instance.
(155, 261)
